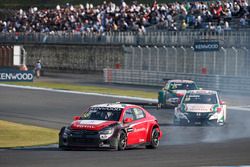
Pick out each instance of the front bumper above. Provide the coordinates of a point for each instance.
(197, 118)
(85, 139)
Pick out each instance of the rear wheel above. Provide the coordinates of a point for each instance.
(154, 143)
(122, 141)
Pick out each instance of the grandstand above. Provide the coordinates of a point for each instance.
(108, 17)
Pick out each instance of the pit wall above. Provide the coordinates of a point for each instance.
(78, 58)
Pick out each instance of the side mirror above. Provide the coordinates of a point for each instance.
(76, 118)
(222, 102)
(128, 120)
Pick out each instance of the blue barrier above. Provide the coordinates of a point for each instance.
(16, 75)
(206, 46)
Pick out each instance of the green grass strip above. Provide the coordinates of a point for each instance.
(19, 135)
(89, 89)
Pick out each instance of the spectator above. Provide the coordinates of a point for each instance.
(38, 68)
(243, 22)
(108, 17)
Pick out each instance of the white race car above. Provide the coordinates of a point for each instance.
(199, 107)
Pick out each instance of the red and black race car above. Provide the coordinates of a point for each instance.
(116, 126)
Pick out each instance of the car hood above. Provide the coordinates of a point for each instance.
(199, 107)
(91, 124)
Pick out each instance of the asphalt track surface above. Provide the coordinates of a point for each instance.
(180, 146)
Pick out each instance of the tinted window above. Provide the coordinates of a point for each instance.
(139, 113)
(200, 98)
(182, 86)
(129, 114)
(110, 114)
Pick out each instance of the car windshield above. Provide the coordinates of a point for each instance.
(102, 113)
(200, 98)
(182, 86)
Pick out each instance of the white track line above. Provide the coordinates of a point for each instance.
(77, 92)
(242, 108)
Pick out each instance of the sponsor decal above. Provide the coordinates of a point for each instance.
(198, 108)
(106, 108)
(140, 129)
(91, 122)
(141, 140)
(206, 46)
(16, 75)
(85, 126)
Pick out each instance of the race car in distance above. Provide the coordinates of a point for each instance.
(173, 91)
(116, 126)
(200, 107)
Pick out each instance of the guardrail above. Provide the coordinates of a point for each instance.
(151, 78)
(166, 38)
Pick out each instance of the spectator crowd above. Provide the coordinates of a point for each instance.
(109, 17)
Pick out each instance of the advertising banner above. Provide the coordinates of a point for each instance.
(16, 75)
(206, 46)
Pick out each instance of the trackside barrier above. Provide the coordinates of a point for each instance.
(153, 78)
(161, 38)
(107, 75)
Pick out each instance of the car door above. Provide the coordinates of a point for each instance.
(131, 136)
(140, 125)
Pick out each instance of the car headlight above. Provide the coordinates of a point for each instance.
(66, 132)
(106, 133)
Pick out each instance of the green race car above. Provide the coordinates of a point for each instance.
(173, 91)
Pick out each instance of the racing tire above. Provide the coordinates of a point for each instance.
(122, 141)
(60, 143)
(154, 143)
(61, 146)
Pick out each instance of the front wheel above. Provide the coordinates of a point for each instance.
(154, 143)
(122, 141)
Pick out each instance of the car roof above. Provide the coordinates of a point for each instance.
(202, 92)
(112, 105)
(181, 81)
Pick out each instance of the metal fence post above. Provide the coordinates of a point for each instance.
(157, 58)
(175, 69)
(214, 63)
(185, 59)
(204, 60)
(236, 61)
(194, 67)
(133, 58)
(225, 60)
(247, 59)
(141, 57)
(149, 58)
(166, 50)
